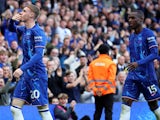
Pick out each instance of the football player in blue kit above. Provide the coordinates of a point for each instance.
(32, 75)
(141, 72)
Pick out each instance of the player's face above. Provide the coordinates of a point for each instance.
(133, 20)
(26, 14)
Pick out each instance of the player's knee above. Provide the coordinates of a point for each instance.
(43, 107)
(153, 105)
(127, 101)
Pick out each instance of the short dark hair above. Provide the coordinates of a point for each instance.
(103, 49)
(139, 13)
(68, 72)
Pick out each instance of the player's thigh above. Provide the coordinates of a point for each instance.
(131, 89)
(17, 102)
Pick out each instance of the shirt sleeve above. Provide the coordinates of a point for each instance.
(153, 49)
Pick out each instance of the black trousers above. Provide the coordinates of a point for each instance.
(105, 102)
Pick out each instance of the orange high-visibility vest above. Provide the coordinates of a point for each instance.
(102, 75)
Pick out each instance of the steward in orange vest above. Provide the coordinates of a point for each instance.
(101, 80)
(102, 75)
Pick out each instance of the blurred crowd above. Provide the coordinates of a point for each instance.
(75, 29)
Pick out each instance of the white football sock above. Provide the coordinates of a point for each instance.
(17, 113)
(45, 114)
(157, 113)
(125, 112)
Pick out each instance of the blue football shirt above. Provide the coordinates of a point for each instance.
(33, 43)
(144, 49)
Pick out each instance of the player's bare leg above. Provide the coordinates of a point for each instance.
(154, 107)
(16, 109)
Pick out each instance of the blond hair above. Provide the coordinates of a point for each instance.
(34, 9)
(63, 95)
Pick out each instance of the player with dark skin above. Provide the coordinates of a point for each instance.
(136, 66)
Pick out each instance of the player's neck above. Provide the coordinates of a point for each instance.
(138, 30)
(30, 24)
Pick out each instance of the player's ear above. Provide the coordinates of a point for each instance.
(141, 20)
(32, 15)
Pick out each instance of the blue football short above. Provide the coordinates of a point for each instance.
(132, 89)
(32, 89)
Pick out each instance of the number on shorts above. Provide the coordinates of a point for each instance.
(152, 89)
(35, 94)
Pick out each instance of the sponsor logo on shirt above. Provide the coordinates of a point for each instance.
(38, 38)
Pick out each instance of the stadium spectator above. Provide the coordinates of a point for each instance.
(62, 31)
(54, 100)
(72, 60)
(62, 112)
(15, 55)
(6, 73)
(55, 79)
(54, 53)
(83, 64)
(6, 89)
(121, 65)
(1, 72)
(122, 49)
(4, 58)
(3, 43)
(72, 85)
(2, 6)
(121, 76)
(86, 95)
(127, 57)
(45, 60)
(9, 36)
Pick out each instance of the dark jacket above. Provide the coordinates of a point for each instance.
(64, 113)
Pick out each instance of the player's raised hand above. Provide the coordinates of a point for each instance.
(17, 17)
